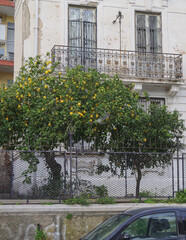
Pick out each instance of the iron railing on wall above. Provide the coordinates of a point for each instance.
(127, 64)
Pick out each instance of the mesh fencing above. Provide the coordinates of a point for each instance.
(60, 175)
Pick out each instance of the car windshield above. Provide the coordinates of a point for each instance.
(106, 228)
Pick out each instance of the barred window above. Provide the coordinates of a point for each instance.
(146, 103)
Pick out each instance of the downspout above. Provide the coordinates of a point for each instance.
(36, 26)
(35, 54)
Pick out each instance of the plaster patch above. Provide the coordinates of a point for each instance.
(26, 21)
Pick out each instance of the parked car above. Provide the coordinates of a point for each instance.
(153, 223)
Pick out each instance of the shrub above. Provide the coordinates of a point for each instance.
(101, 191)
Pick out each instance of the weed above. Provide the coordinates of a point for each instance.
(101, 191)
(181, 197)
(150, 200)
(145, 193)
(69, 216)
(106, 200)
(136, 201)
(47, 203)
(40, 235)
(81, 200)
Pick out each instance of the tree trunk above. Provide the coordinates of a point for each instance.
(53, 165)
(138, 180)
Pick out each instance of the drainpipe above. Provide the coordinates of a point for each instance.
(36, 26)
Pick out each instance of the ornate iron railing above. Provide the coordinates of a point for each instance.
(127, 64)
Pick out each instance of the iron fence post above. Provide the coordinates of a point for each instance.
(183, 177)
(173, 177)
(70, 164)
(12, 175)
(65, 177)
(76, 173)
(125, 174)
(178, 167)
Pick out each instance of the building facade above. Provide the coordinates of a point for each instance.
(143, 41)
(6, 41)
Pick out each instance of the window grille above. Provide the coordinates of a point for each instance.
(146, 103)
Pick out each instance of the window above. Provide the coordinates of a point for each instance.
(148, 32)
(7, 41)
(9, 82)
(2, 32)
(10, 41)
(82, 36)
(82, 27)
(183, 214)
(146, 103)
(148, 45)
(2, 40)
(153, 226)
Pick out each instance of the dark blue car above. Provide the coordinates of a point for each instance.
(153, 223)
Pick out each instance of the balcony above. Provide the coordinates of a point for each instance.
(7, 7)
(9, 3)
(131, 66)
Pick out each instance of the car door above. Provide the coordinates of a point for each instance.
(152, 226)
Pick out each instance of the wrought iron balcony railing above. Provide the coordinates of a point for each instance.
(127, 64)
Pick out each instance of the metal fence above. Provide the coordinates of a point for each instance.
(63, 174)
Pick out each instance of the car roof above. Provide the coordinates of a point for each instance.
(133, 211)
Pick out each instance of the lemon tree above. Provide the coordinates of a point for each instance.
(39, 109)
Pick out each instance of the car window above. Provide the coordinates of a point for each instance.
(153, 226)
(106, 228)
(183, 214)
